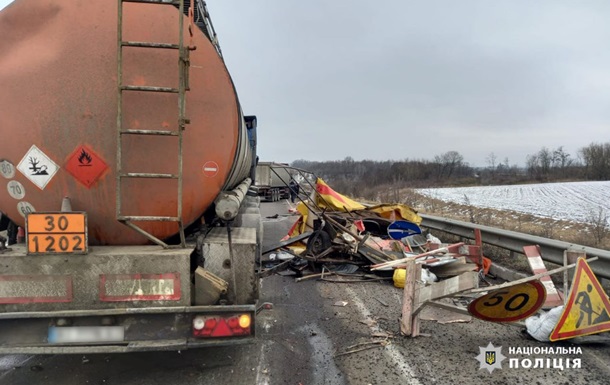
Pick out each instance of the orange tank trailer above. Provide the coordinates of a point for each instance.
(58, 92)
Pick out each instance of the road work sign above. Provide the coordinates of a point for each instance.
(587, 310)
(509, 304)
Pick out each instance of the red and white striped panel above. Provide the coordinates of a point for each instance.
(140, 287)
(35, 288)
(534, 258)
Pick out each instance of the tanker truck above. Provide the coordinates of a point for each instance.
(127, 161)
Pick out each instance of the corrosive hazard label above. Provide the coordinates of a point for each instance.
(587, 310)
(86, 166)
(37, 167)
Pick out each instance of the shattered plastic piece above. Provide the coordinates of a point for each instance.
(340, 303)
(432, 239)
(428, 277)
(348, 238)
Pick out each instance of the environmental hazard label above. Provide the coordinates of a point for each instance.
(86, 166)
(587, 309)
(37, 167)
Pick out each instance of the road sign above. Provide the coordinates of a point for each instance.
(210, 169)
(587, 310)
(509, 304)
(56, 233)
(7, 169)
(400, 229)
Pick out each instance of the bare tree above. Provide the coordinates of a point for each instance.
(492, 160)
(596, 158)
(598, 225)
(448, 163)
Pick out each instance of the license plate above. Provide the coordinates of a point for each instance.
(82, 334)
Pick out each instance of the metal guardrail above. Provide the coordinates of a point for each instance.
(552, 250)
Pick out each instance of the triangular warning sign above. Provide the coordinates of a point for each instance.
(587, 310)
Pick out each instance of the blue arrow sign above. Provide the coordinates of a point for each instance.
(400, 229)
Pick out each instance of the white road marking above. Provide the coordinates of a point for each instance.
(10, 362)
(392, 351)
(262, 374)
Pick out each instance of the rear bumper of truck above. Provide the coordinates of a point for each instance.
(145, 329)
(126, 298)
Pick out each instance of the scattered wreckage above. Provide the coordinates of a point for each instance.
(337, 239)
(341, 237)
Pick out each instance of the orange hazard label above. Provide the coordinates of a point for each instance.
(56, 233)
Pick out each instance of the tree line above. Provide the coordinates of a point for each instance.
(449, 169)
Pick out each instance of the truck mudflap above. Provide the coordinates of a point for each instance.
(126, 330)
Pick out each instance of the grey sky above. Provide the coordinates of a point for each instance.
(395, 79)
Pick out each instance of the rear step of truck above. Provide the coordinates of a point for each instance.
(183, 86)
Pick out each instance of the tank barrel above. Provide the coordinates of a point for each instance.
(228, 202)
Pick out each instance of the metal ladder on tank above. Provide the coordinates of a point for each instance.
(182, 120)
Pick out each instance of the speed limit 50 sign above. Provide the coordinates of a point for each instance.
(509, 304)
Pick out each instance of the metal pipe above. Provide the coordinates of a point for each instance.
(228, 202)
(551, 250)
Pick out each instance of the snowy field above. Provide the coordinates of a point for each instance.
(576, 201)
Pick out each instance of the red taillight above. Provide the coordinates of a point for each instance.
(236, 325)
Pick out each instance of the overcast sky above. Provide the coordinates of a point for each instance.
(396, 79)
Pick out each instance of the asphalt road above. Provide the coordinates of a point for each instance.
(301, 340)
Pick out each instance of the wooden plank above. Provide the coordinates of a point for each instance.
(452, 269)
(569, 256)
(415, 320)
(446, 306)
(403, 260)
(407, 299)
(448, 287)
(528, 279)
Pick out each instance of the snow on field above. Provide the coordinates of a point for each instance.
(576, 201)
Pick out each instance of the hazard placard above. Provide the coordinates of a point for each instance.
(37, 167)
(86, 166)
(587, 309)
(56, 233)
